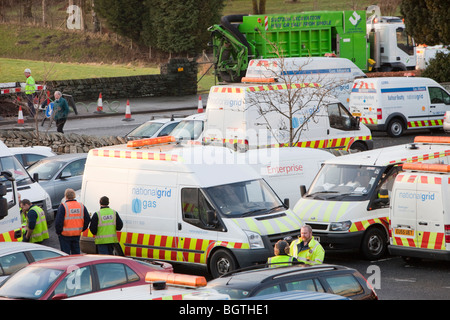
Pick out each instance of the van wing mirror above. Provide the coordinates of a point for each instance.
(211, 219)
(302, 190)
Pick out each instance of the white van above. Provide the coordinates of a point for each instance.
(244, 115)
(286, 169)
(26, 186)
(420, 212)
(335, 73)
(347, 205)
(187, 204)
(398, 104)
(10, 220)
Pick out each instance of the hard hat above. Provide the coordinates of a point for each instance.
(27, 70)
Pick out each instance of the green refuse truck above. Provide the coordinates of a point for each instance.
(371, 41)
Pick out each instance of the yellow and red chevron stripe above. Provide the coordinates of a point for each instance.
(369, 120)
(424, 157)
(364, 224)
(269, 87)
(424, 240)
(423, 179)
(425, 123)
(140, 155)
(339, 143)
(169, 248)
(8, 236)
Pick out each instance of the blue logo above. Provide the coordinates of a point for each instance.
(136, 205)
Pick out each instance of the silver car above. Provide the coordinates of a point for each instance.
(56, 174)
(16, 255)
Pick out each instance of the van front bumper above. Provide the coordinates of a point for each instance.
(250, 257)
(339, 241)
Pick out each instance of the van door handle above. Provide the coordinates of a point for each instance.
(432, 106)
(422, 223)
(179, 226)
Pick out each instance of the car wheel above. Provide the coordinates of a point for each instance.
(395, 128)
(221, 263)
(373, 244)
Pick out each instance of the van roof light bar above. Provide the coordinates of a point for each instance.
(427, 139)
(151, 141)
(430, 167)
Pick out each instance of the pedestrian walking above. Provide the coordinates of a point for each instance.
(72, 218)
(104, 226)
(60, 111)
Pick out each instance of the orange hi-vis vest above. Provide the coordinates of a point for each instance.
(73, 219)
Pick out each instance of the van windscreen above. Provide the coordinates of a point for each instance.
(243, 199)
(344, 182)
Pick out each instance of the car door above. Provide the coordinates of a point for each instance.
(70, 176)
(439, 104)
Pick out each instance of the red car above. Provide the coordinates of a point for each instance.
(62, 277)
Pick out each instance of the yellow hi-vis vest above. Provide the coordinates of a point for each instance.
(280, 261)
(106, 230)
(313, 254)
(30, 85)
(40, 232)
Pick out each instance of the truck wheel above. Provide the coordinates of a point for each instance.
(395, 128)
(222, 262)
(373, 244)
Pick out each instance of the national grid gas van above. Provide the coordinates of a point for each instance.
(250, 116)
(420, 212)
(187, 204)
(337, 74)
(347, 204)
(397, 104)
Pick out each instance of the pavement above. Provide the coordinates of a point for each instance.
(147, 105)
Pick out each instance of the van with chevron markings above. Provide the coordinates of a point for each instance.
(420, 216)
(347, 204)
(187, 204)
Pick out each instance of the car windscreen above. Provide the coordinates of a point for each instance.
(146, 130)
(242, 199)
(11, 164)
(29, 283)
(46, 168)
(188, 130)
(344, 182)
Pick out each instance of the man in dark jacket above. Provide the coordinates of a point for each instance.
(61, 111)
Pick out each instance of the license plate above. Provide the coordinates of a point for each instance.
(404, 232)
(356, 114)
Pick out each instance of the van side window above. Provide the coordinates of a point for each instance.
(437, 95)
(340, 117)
(197, 210)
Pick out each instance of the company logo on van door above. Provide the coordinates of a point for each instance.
(147, 198)
(418, 196)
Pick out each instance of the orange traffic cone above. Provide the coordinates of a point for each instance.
(128, 112)
(20, 119)
(200, 105)
(99, 104)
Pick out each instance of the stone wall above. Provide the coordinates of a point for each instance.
(177, 78)
(58, 142)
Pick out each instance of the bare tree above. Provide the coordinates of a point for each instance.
(259, 6)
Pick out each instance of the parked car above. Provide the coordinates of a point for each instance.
(334, 279)
(17, 255)
(191, 128)
(446, 124)
(56, 174)
(29, 155)
(63, 277)
(154, 128)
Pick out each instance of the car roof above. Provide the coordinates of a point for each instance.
(66, 157)
(11, 247)
(43, 150)
(266, 274)
(165, 120)
(78, 259)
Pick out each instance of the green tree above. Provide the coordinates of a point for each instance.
(438, 68)
(427, 20)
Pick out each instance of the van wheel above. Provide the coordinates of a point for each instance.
(358, 146)
(374, 244)
(395, 128)
(221, 263)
